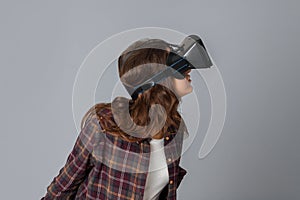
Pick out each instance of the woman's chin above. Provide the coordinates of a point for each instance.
(188, 91)
(191, 90)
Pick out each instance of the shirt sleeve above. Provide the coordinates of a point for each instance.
(71, 175)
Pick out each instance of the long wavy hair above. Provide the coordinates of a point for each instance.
(140, 61)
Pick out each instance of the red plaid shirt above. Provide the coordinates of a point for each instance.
(106, 167)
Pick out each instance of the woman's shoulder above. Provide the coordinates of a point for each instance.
(94, 121)
(97, 112)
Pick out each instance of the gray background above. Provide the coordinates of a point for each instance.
(254, 43)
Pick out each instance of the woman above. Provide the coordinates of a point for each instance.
(130, 148)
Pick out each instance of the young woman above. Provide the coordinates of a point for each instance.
(127, 149)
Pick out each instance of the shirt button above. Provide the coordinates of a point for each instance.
(171, 181)
(167, 138)
(169, 159)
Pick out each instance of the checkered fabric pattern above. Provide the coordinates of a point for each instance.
(106, 167)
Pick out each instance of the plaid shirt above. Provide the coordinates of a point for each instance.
(103, 166)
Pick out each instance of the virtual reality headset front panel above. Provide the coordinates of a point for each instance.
(190, 54)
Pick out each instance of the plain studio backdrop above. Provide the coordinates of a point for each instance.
(255, 45)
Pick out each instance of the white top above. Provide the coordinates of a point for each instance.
(158, 174)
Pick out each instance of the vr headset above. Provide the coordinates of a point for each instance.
(190, 54)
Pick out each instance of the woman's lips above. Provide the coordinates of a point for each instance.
(187, 77)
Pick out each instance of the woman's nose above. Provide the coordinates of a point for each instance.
(188, 71)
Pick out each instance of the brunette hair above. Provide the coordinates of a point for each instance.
(140, 61)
